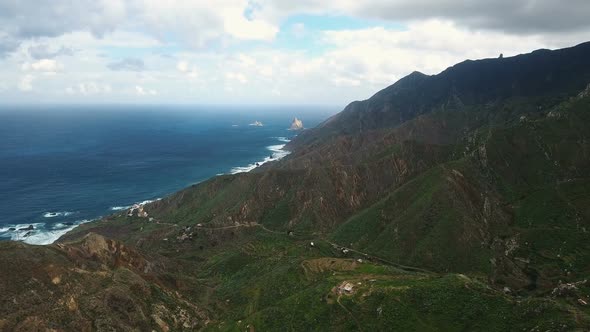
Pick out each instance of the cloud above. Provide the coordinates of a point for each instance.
(26, 83)
(519, 17)
(127, 64)
(238, 77)
(186, 68)
(238, 26)
(141, 91)
(8, 43)
(195, 23)
(44, 51)
(22, 20)
(89, 88)
(515, 17)
(378, 56)
(182, 66)
(48, 66)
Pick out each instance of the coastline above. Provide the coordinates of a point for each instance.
(39, 233)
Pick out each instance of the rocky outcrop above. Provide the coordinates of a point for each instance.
(296, 124)
(94, 284)
(108, 252)
(137, 210)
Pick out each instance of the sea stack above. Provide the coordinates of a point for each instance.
(296, 124)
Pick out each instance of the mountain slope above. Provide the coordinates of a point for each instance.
(458, 201)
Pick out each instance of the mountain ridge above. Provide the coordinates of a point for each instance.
(444, 86)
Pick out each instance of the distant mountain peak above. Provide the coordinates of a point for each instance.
(416, 73)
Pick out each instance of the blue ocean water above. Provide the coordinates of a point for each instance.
(64, 165)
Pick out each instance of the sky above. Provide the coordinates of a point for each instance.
(256, 52)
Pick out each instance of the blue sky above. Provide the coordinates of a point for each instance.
(257, 52)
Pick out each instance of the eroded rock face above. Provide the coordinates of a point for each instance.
(91, 284)
(296, 124)
(96, 248)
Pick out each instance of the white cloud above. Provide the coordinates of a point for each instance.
(26, 83)
(240, 27)
(141, 91)
(182, 66)
(44, 51)
(185, 67)
(194, 23)
(379, 56)
(239, 77)
(89, 89)
(43, 65)
(198, 23)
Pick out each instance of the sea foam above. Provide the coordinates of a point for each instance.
(119, 208)
(277, 153)
(126, 207)
(283, 139)
(57, 214)
(41, 234)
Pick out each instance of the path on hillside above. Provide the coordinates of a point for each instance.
(341, 247)
(382, 260)
(368, 256)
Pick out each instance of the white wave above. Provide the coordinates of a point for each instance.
(126, 207)
(119, 208)
(148, 201)
(242, 169)
(277, 153)
(41, 236)
(57, 214)
(60, 225)
(283, 139)
(5, 229)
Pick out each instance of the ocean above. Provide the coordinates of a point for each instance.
(61, 166)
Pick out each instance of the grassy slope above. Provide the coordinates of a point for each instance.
(277, 283)
(523, 189)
